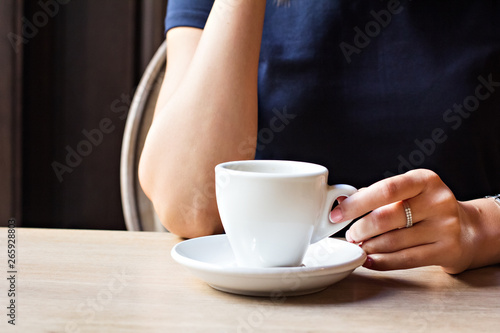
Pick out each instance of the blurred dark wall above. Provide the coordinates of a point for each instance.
(80, 63)
(10, 112)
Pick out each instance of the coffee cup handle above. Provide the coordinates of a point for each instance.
(325, 228)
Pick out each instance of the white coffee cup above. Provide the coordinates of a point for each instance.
(273, 210)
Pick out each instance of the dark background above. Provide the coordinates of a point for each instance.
(68, 70)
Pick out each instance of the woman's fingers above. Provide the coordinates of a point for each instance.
(423, 255)
(378, 222)
(393, 217)
(397, 240)
(382, 193)
(449, 256)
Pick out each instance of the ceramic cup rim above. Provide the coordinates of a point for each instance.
(304, 169)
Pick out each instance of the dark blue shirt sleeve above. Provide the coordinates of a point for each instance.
(187, 13)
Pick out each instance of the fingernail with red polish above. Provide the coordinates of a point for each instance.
(336, 215)
(368, 262)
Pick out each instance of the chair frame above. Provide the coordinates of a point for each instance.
(131, 147)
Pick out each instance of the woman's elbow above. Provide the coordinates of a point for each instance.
(183, 209)
(188, 221)
(181, 214)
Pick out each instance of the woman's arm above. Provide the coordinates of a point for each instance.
(208, 106)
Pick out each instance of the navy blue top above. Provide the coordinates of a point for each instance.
(375, 88)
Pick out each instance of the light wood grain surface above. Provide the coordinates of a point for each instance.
(118, 281)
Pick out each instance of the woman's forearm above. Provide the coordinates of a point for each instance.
(205, 120)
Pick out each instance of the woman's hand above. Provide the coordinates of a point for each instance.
(454, 235)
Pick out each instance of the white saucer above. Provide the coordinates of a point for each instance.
(212, 260)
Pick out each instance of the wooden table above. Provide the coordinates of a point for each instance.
(118, 281)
